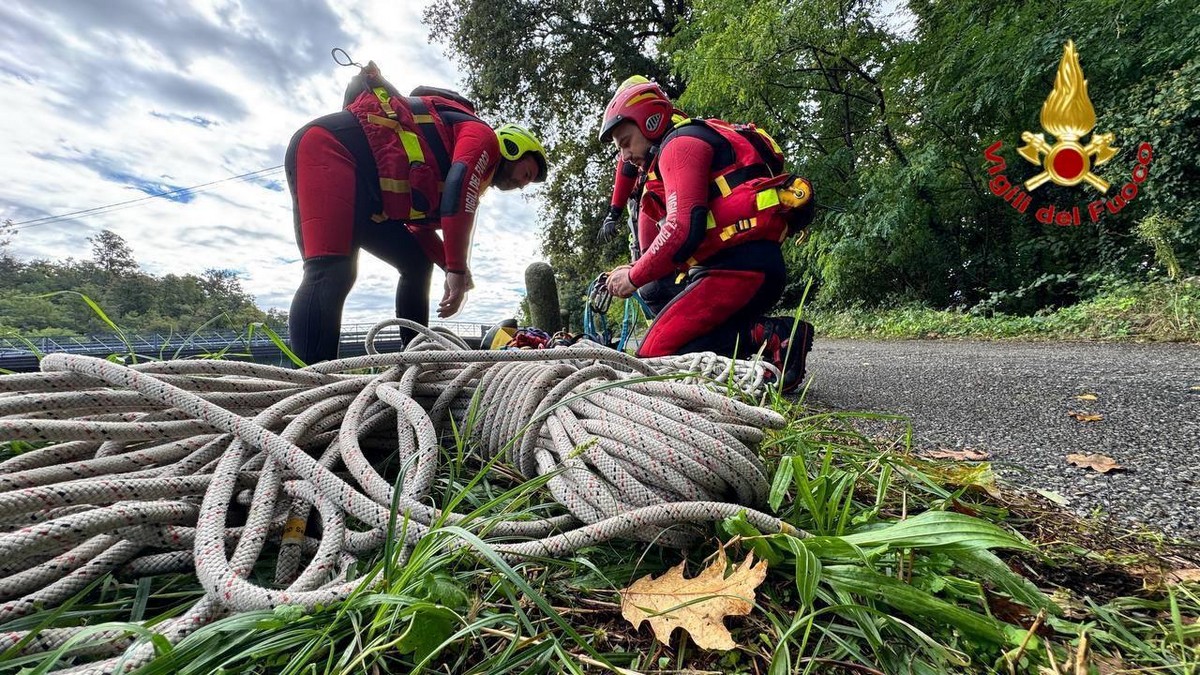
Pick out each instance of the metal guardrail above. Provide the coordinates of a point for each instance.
(156, 341)
(165, 346)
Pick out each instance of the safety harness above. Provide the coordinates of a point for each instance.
(405, 140)
(747, 189)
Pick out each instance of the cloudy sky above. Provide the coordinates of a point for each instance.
(108, 101)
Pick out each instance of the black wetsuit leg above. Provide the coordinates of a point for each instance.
(391, 242)
(315, 317)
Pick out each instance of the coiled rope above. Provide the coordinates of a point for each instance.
(144, 463)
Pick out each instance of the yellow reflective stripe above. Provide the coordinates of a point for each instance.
(742, 225)
(423, 119)
(767, 198)
(640, 97)
(412, 146)
(379, 217)
(383, 121)
(774, 145)
(415, 214)
(410, 141)
(385, 98)
(397, 185)
(710, 224)
(722, 185)
(394, 185)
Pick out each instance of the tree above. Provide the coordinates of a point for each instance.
(8, 263)
(554, 66)
(7, 232)
(889, 121)
(112, 254)
(31, 300)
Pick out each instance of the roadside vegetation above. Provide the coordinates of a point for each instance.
(1160, 311)
(913, 565)
(888, 109)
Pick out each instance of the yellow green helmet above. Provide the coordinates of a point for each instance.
(516, 142)
(632, 80)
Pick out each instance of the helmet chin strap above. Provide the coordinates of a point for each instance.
(655, 146)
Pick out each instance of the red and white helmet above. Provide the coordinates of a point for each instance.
(644, 104)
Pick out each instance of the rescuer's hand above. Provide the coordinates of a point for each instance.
(610, 227)
(619, 283)
(457, 285)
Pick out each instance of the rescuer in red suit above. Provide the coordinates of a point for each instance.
(628, 181)
(719, 207)
(385, 175)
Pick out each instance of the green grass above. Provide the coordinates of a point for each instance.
(910, 569)
(1155, 311)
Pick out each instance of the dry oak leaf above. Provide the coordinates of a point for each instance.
(698, 605)
(1086, 416)
(1101, 463)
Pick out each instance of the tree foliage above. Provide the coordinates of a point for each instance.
(889, 115)
(553, 65)
(31, 303)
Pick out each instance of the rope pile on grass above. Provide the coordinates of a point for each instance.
(145, 463)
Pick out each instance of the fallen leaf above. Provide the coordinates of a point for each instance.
(1054, 497)
(1157, 579)
(1086, 416)
(1190, 575)
(1008, 611)
(1196, 388)
(1086, 397)
(969, 475)
(964, 455)
(1071, 606)
(1101, 463)
(698, 605)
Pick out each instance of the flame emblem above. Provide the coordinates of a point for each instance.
(1069, 116)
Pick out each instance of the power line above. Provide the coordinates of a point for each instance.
(115, 206)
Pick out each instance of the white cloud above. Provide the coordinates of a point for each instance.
(104, 101)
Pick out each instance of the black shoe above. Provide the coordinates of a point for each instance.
(795, 346)
(775, 336)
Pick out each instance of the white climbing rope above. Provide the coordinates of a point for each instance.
(141, 466)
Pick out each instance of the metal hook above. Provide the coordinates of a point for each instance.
(336, 51)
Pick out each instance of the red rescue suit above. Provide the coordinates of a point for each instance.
(711, 207)
(432, 166)
(382, 175)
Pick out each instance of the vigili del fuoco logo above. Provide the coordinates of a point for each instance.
(1068, 116)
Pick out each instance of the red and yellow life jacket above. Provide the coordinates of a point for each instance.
(410, 140)
(748, 193)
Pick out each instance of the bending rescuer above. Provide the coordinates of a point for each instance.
(385, 175)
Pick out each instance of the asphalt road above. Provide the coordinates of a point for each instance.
(1012, 400)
